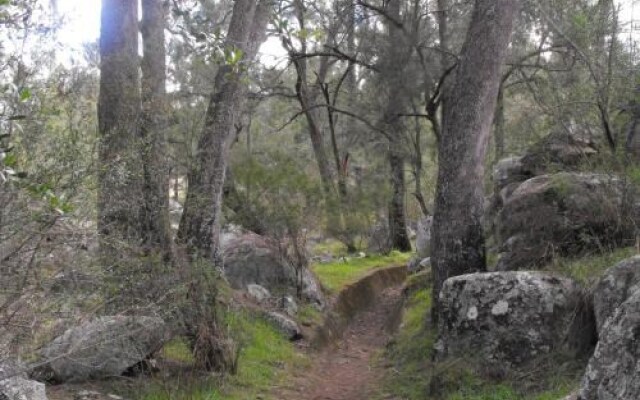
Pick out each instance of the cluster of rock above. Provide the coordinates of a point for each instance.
(256, 264)
(280, 311)
(110, 346)
(251, 259)
(510, 317)
(537, 213)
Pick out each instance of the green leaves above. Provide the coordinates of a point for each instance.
(25, 93)
(233, 56)
(4, 2)
(56, 203)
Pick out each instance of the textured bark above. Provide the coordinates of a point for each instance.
(199, 232)
(200, 225)
(398, 236)
(498, 126)
(397, 56)
(458, 238)
(155, 213)
(120, 174)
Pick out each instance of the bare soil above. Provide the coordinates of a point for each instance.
(350, 369)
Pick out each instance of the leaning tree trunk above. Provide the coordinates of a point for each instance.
(199, 232)
(458, 237)
(155, 213)
(120, 171)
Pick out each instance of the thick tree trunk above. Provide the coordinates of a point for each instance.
(458, 237)
(120, 196)
(397, 56)
(155, 213)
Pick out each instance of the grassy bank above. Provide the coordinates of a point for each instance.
(265, 360)
(339, 273)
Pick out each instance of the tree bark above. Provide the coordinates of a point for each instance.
(458, 237)
(155, 213)
(200, 225)
(120, 196)
(498, 126)
(199, 231)
(397, 56)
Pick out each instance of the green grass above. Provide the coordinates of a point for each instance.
(411, 350)
(265, 358)
(589, 268)
(335, 275)
(309, 315)
(177, 350)
(415, 376)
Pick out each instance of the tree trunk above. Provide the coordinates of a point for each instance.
(200, 225)
(309, 96)
(498, 126)
(199, 232)
(397, 56)
(120, 196)
(155, 213)
(398, 236)
(458, 237)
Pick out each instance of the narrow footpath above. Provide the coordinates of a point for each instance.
(349, 370)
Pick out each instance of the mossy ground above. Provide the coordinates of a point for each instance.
(339, 273)
(265, 359)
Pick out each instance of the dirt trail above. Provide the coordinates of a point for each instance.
(348, 370)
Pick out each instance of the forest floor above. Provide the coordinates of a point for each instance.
(352, 368)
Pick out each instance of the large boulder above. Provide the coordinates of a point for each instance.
(614, 369)
(104, 347)
(510, 318)
(251, 259)
(558, 151)
(563, 214)
(614, 288)
(14, 384)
